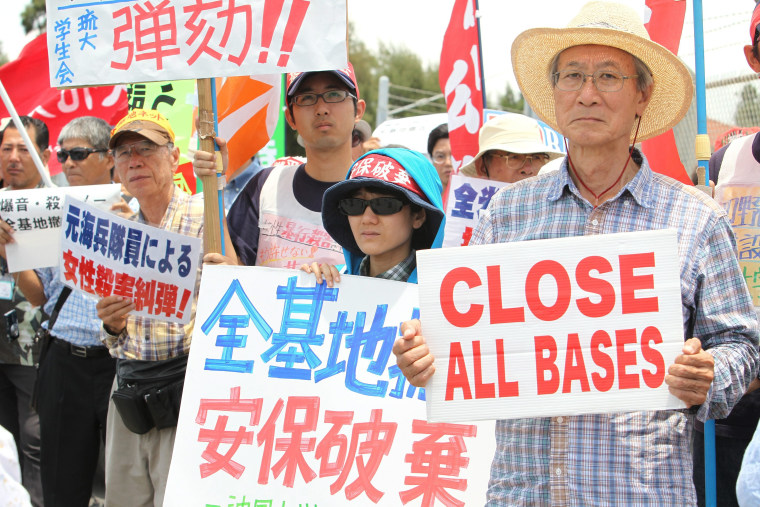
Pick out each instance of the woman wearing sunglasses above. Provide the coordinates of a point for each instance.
(388, 207)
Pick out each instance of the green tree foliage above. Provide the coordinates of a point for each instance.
(511, 101)
(748, 110)
(3, 56)
(33, 16)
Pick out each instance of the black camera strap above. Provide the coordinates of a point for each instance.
(58, 305)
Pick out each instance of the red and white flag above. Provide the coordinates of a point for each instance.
(459, 78)
(28, 84)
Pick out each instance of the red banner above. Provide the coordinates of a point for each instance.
(459, 78)
(28, 84)
(664, 25)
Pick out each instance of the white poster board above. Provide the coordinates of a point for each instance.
(292, 396)
(552, 327)
(133, 41)
(106, 255)
(35, 216)
(467, 199)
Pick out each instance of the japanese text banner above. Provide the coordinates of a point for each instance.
(35, 216)
(127, 41)
(552, 327)
(293, 397)
(468, 198)
(106, 255)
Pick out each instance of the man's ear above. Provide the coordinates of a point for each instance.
(480, 168)
(753, 62)
(45, 156)
(289, 118)
(418, 218)
(361, 106)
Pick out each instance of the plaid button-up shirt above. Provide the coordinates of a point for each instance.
(400, 272)
(635, 458)
(150, 339)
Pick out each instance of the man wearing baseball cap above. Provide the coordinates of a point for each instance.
(604, 85)
(511, 149)
(148, 351)
(276, 220)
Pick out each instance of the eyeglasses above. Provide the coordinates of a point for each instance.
(440, 157)
(353, 206)
(76, 154)
(570, 80)
(141, 148)
(330, 97)
(518, 160)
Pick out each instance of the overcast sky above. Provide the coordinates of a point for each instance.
(420, 25)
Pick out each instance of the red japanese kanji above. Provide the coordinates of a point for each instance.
(155, 32)
(437, 463)
(196, 28)
(266, 437)
(333, 439)
(103, 281)
(220, 435)
(70, 264)
(166, 299)
(145, 294)
(87, 275)
(123, 44)
(124, 285)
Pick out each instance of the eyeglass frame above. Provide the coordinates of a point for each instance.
(65, 154)
(370, 203)
(534, 157)
(154, 146)
(317, 96)
(594, 77)
(446, 157)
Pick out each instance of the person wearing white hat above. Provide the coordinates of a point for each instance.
(511, 149)
(603, 84)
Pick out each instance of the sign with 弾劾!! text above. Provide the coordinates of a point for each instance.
(130, 41)
(552, 327)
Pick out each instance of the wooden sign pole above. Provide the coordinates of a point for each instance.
(211, 231)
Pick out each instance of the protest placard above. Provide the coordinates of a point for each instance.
(35, 216)
(128, 41)
(552, 327)
(106, 255)
(293, 397)
(468, 198)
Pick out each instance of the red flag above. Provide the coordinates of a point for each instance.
(664, 26)
(459, 78)
(28, 84)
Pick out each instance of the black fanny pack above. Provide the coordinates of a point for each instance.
(148, 393)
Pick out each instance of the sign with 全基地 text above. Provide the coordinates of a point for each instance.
(106, 255)
(552, 327)
(292, 397)
(130, 41)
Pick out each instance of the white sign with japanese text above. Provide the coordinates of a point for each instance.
(293, 397)
(552, 327)
(129, 41)
(35, 216)
(467, 199)
(106, 255)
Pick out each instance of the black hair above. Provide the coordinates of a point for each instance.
(289, 101)
(438, 133)
(41, 133)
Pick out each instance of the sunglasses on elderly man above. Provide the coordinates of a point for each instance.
(76, 154)
(353, 206)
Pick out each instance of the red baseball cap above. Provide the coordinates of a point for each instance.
(753, 24)
(346, 75)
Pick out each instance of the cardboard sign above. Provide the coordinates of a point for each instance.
(35, 215)
(467, 199)
(128, 41)
(293, 397)
(552, 327)
(106, 255)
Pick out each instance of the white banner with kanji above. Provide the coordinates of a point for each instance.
(130, 41)
(552, 327)
(35, 216)
(293, 397)
(106, 255)
(467, 199)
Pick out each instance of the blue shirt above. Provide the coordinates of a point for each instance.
(636, 457)
(78, 321)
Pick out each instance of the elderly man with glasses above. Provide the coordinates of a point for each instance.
(276, 220)
(603, 84)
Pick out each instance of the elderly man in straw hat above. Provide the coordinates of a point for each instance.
(511, 149)
(604, 85)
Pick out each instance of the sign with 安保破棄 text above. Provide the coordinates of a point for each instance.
(106, 255)
(35, 216)
(552, 327)
(292, 397)
(129, 41)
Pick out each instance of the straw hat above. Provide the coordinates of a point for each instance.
(603, 24)
(515, 133)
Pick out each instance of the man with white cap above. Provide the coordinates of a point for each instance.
(604, 85)
(511, 149)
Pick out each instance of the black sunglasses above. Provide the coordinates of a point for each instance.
(353, 206)
(76, 154)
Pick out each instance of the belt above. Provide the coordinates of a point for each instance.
(81, 350)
